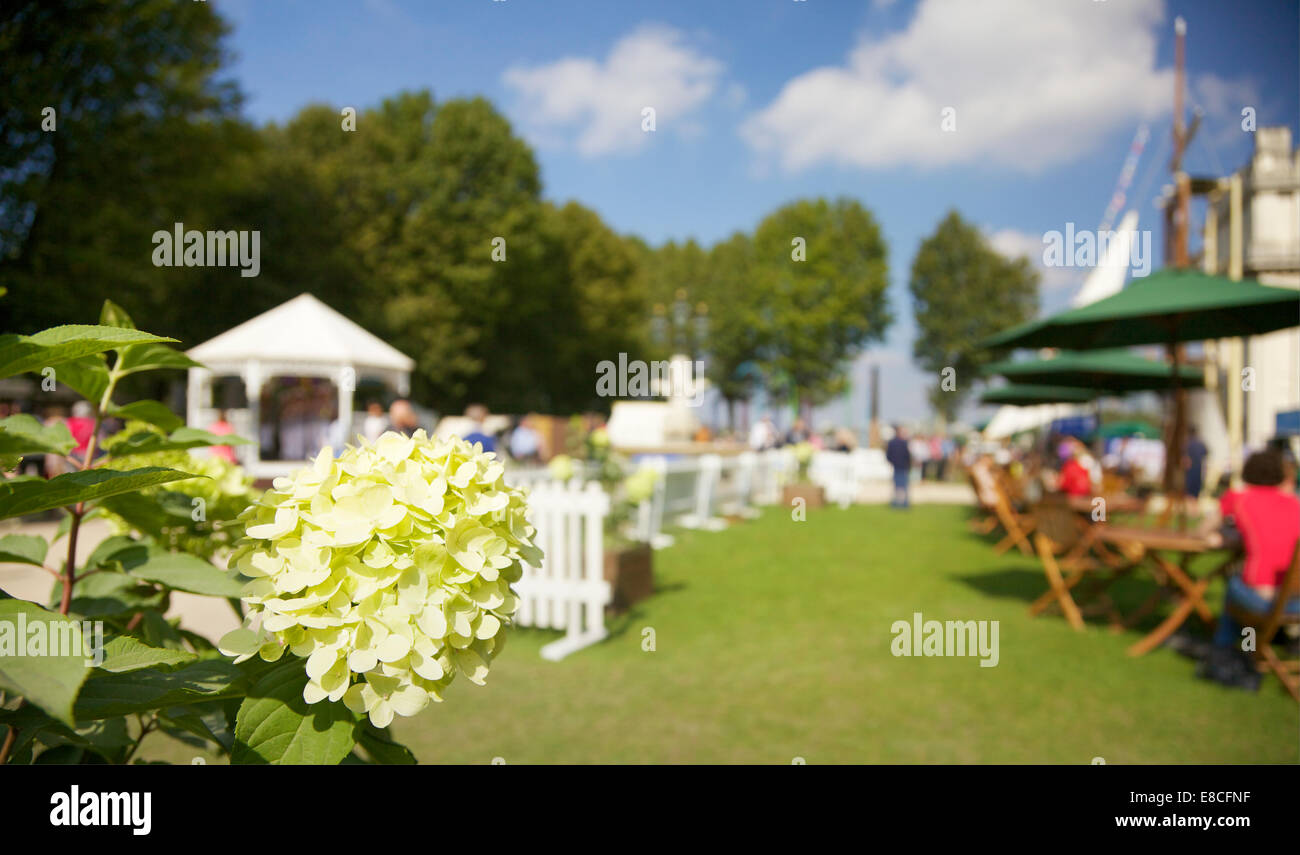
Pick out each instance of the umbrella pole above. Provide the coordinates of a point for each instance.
(1174, 453)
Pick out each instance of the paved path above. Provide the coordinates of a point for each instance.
(208, 616)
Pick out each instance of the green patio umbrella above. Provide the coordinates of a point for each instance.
(1168, 307)
(1027, 394)
(1111, 370)
(1133, 427)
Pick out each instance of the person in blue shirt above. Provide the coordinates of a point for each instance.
(478, 413)
(899, 457)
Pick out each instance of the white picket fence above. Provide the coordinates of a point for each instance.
(843, 473)
(568, 590)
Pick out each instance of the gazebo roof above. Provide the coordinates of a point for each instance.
(303, 330)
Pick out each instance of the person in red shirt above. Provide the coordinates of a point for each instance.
(1075, 479)
(222, 427)
(1267, 518)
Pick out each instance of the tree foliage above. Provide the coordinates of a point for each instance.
(821, 274)
(962, 292)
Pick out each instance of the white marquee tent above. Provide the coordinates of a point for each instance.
(300, 338)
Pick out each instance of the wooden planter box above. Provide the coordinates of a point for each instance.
(630, 573)
(812, 495)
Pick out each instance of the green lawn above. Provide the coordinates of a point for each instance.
(773, 642)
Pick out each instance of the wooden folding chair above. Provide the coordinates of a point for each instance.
(1064, 540)
(1267, 624)
(985, 524)
(1017, 526)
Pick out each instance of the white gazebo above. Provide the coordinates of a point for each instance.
(300, 338)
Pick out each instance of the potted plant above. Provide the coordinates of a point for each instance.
(813, 496)
(629, 567)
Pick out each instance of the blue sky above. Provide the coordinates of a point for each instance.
(759, 102)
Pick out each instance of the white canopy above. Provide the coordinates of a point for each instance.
(300, 338)
(302, 330)
(1011, 420)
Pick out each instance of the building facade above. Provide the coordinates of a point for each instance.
(1253, 232)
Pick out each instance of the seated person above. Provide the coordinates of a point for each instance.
(1075, 479)
(1267, 520)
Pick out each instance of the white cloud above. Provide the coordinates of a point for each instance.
(1032, 85)
(1014, 244)
(602, 103)
(1223, 100)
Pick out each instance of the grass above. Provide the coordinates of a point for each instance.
(772, 641)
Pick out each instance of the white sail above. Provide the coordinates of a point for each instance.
(1108, 276)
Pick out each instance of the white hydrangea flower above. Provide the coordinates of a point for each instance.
(387, 569)
(640, 485)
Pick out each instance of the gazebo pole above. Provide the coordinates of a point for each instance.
(347, 386)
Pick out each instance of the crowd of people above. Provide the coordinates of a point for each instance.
(764, 435)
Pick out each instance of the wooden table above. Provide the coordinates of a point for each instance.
(1119, 503)
(1143, 546)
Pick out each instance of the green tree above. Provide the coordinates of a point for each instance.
(602, 304)
(735, 341)
(962, 292)
(821, 278)
(145, 134)
(675, 273)
(437, 210)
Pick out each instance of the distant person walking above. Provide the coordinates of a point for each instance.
(899, 457)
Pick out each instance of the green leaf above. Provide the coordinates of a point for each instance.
(108, 738)
(119, 549)
(22, 353)
(24, 434)
(275, 725)
(181, 439)
(184, 572)
(151, 357)
(124, 654)
(49, 682)
(106, 695)
(207, 721)
(109, 594)
(23, 549)
(30, 497)
(152, 412)
(381, 747)
(150, 514)
(113, 315)
(87, 376)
